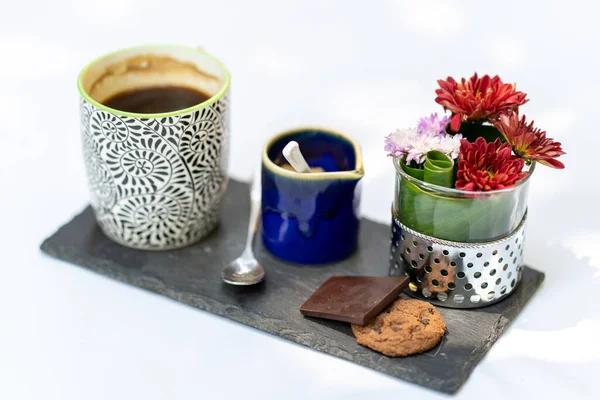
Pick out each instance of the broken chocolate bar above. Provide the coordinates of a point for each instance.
(354, 299)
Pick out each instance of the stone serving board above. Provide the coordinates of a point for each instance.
(192, 276)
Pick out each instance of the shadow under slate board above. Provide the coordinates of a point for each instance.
(192, 276)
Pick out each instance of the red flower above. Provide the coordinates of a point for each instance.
(477, 99)
(487, 166)
(528, 142)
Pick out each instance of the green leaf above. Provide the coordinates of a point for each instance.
(438, 169)
(480, 217)
(471, 130)
(414, 172)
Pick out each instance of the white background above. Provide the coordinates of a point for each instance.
(363, 67)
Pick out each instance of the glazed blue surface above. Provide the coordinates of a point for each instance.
(311, 221)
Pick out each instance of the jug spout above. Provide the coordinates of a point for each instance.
(357, 174)
(349, 176)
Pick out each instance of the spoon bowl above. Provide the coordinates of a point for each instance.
(243, 271)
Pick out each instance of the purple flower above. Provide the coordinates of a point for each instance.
(450, 145)
(420, 146)
(413, 144)
(433, 125)
(398, 143)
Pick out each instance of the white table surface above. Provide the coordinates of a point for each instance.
(362, 67)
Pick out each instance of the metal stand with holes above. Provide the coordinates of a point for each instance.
(454, 274)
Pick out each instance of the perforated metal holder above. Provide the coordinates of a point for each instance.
(455, 274)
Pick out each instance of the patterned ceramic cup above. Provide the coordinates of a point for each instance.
(156, 180)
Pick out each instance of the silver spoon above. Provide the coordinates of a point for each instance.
(245, 270)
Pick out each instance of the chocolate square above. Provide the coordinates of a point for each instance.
(354, 299)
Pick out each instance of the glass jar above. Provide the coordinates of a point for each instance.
(458, 215)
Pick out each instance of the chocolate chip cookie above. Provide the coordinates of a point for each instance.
(405, 327)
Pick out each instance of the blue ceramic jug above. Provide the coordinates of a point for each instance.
(312, 218)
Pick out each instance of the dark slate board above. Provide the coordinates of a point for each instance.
(191, 275)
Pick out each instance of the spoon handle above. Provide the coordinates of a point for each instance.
(255, 198)
(294, 156)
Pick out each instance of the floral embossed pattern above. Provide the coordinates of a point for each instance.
(156, 183)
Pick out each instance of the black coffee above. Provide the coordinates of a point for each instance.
(157, 99)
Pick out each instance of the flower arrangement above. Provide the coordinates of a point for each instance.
(463, 177)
